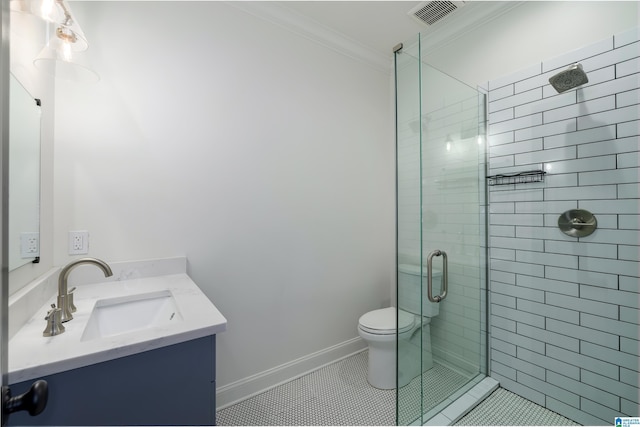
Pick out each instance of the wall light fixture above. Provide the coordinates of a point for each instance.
(63, 56)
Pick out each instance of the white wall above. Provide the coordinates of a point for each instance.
(263, 157)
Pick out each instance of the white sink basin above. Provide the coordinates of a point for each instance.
(121, 315)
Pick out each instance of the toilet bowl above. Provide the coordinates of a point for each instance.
(378, 329)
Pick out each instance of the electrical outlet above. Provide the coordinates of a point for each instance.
(78, 242)
(29, 245)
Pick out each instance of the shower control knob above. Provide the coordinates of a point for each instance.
(33, 400)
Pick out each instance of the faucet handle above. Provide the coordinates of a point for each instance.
(54, 322)
(50, 312)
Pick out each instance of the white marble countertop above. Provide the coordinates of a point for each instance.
(33, 356)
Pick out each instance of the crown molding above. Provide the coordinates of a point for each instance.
(306, 27)
(475, 14)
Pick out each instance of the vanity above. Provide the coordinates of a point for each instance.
(140, 349)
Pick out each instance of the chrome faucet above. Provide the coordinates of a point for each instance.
(65, 298)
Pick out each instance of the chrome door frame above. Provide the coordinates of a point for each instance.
(4, 132)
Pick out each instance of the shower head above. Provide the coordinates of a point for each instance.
(568, 79)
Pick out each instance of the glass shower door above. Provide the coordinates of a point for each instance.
(440, 221)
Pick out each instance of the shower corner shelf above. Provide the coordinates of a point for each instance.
(517, 178)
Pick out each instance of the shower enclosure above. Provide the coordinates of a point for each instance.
(441, 230)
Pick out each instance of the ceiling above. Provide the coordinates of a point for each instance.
(370, 29)
(379, 25)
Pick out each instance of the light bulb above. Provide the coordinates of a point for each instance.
(65, 50)
(47, 10)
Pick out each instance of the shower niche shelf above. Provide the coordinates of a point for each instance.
(517, 178)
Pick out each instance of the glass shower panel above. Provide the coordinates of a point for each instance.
(408, 194)
(441, 218)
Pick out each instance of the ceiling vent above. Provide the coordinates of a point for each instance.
(430, 12)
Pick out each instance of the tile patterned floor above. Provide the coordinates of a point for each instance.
(337, 394)
(505, 408)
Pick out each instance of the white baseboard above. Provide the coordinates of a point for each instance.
(250, 386)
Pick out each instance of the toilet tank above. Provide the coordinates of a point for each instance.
(409, 289)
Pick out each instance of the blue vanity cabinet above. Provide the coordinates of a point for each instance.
(173, 385)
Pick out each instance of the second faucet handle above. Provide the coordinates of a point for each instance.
(54, 322)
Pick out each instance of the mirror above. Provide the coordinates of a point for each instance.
(24, 176)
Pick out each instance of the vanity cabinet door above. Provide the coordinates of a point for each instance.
(168, 386)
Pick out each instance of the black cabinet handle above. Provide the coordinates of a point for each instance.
(33, 401)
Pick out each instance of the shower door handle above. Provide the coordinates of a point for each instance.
(445, 276)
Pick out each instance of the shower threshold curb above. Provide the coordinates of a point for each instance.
(459, 407)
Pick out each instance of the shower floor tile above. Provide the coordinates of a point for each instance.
(337, 394)
(438, 383)
(505, 408)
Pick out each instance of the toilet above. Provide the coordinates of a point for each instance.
(378, 329)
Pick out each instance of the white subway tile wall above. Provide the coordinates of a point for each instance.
(564, 311)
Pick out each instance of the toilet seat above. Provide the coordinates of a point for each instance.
(383, 321)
